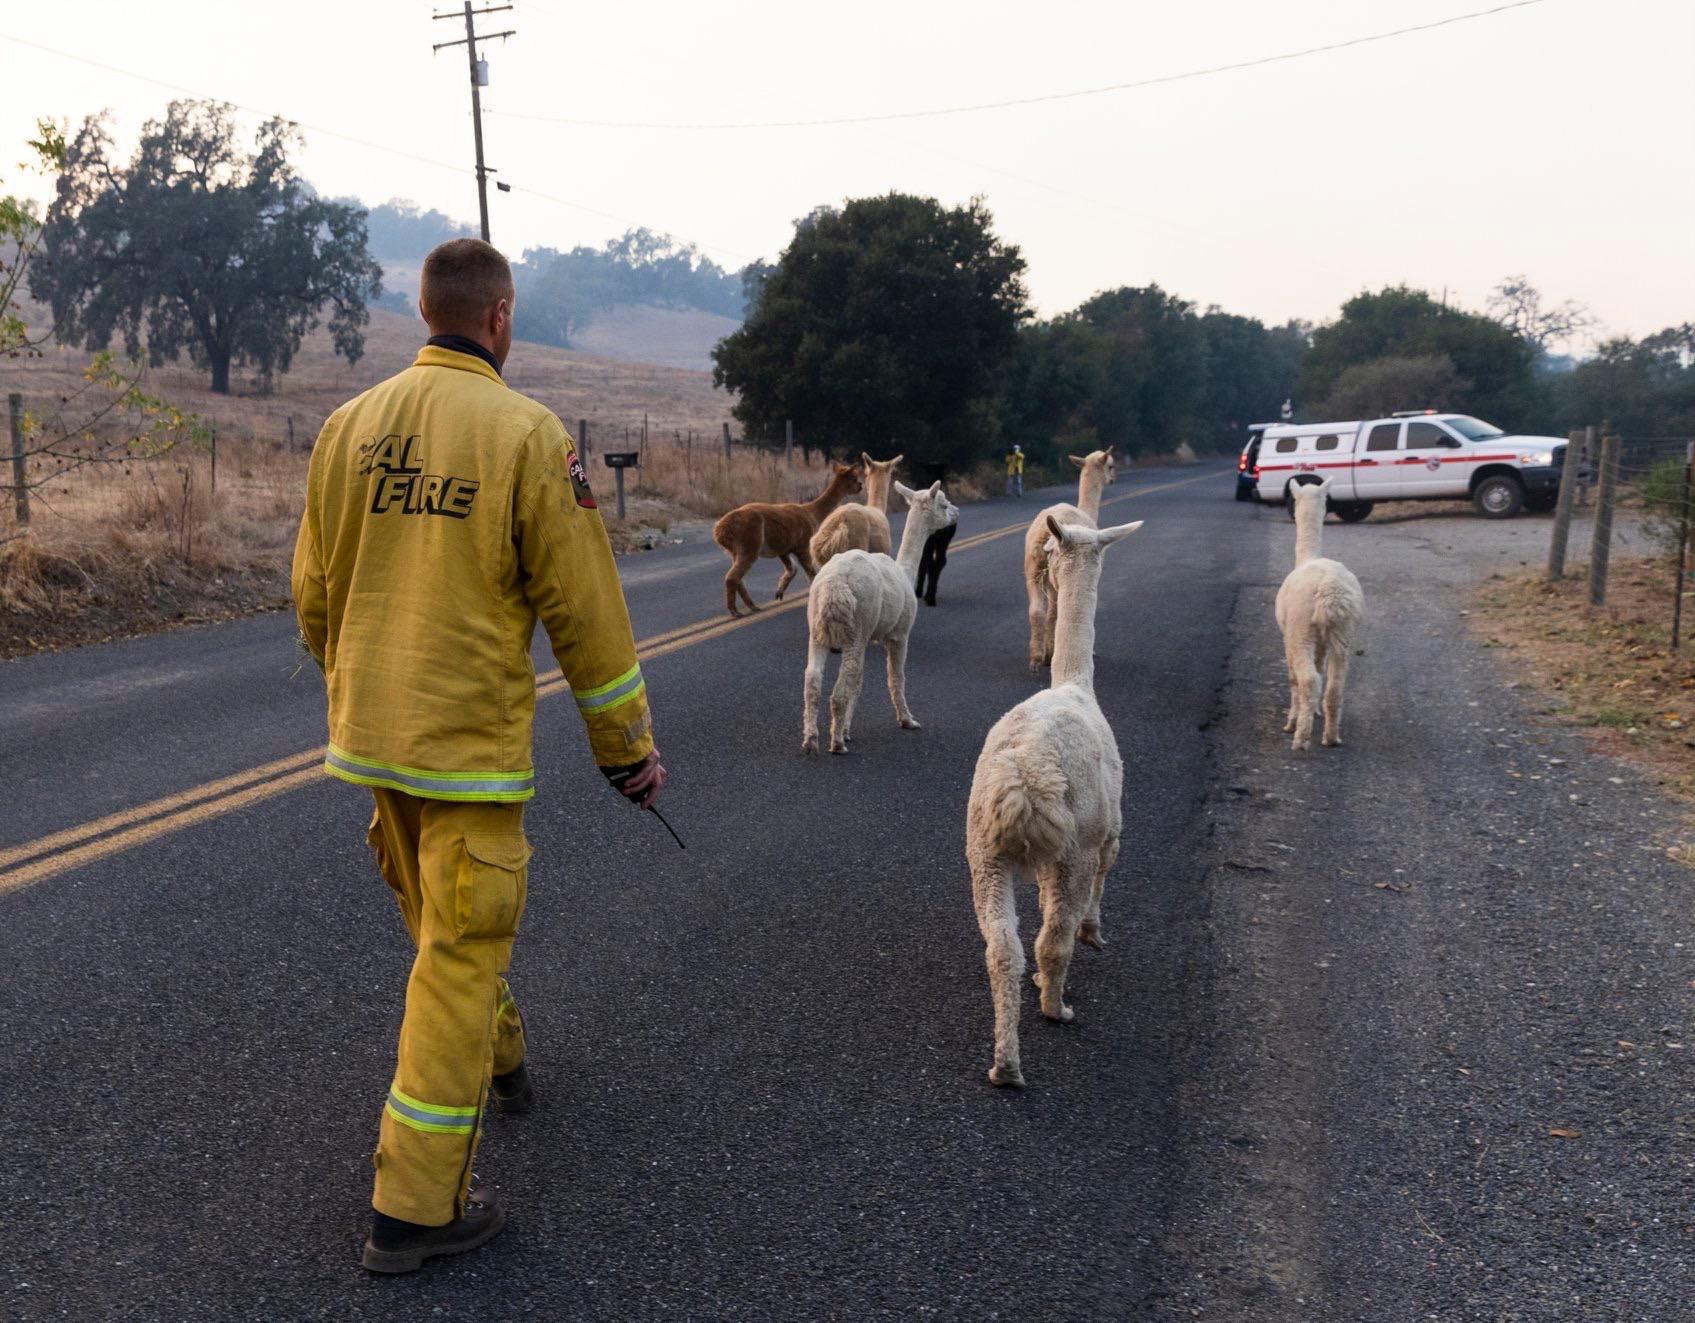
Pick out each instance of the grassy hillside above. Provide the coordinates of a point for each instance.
(116, 549)
(610, 392)
(675, 337)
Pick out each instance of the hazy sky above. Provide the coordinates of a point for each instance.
(1556, 140)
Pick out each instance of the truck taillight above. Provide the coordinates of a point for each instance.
(1242, 463)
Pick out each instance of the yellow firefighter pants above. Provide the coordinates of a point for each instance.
(461, 872)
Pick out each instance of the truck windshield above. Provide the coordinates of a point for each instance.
(1473, 429)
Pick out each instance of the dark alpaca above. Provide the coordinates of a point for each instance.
(933, 561)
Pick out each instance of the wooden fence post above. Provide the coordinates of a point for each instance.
(1682, 547)
(1588, 458)
(1562, 509)
(726, 441)
(583, 438)
(1606, 497)
(20, 466)
(214, 457)
(789, 442)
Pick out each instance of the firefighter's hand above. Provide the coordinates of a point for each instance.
(643, 785)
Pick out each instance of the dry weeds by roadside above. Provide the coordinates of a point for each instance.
(1610, 670)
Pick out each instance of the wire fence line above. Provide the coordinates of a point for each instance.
(1651, 479)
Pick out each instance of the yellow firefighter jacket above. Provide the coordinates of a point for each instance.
(445, 513)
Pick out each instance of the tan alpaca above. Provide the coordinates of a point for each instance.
(859, 527)
(761, 529)
(861, 598)
(1045, 801)
(1099, 468)
(1319, 609)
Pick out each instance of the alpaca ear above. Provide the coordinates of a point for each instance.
(935, 487)
(1078, 460)
(904, 492)
(1108, 451)
(1324, 487)
(866, 459)
(896, 460)
(1110, 535)
(1055, 529)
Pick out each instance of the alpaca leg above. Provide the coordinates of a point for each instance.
(845, 695)
(1306, 695)
(1052, 624)
(1038, 591)
(733, 583)
(1065, 898)
(1335, 682)
(1294, 696)
(936, 568)
(1089, 933)
(804, 555)
(788, 577)
(895, 649)
(1003, 952)
(812, 690)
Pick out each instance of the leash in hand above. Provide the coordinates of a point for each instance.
(668, 827)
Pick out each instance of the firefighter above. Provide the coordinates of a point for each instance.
(446, 514)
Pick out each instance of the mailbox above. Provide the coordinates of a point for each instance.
(623, 459)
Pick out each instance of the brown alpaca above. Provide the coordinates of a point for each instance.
(760, 529)
(859, 527)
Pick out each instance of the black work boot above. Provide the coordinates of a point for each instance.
(395, 1246)
(513, 1093)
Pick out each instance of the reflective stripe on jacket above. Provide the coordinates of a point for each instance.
(445, 514)
(1014, 464)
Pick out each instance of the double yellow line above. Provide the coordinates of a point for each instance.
(37, 860)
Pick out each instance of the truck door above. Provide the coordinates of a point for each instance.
(1374, 466)
(1420, 471)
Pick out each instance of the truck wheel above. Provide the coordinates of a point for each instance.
(1499, 496)
(1351, 512)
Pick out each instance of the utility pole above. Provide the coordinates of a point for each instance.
(479, 77)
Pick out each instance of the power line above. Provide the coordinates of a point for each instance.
(972, 109)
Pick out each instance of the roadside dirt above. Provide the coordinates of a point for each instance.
(1608, 670)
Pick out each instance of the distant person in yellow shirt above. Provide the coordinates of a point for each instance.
(1015, 471)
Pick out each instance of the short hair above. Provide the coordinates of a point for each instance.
(462, 279)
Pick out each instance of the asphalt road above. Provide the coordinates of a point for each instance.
(1289, 1093)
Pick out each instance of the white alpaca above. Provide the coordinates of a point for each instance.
(863, 526)
(861, 598)
(1099, 468)
(1319, 609)
(1045, 800)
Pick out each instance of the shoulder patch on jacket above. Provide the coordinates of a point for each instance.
(579, 479)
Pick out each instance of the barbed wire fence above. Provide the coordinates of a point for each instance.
(1628, 491)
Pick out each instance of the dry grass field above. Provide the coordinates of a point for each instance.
(117, 549)
(1611, 669)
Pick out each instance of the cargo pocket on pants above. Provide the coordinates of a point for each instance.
(493, 883)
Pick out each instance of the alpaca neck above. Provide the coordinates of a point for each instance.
(829, 498)
(1074, 632)
(1089, 488)
(912, 539)
(877, 491)
(1309, 532)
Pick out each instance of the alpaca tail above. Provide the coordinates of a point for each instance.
(1018, 805)
(1335, 616)
(832, 609)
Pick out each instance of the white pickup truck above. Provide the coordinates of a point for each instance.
(1415, 456)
